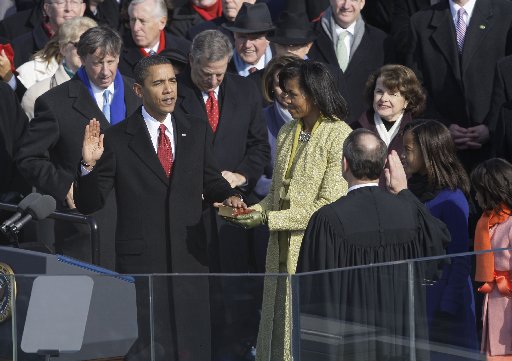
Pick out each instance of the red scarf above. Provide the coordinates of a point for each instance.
(9, 53)
(485, 271)
(48, 30)
(161, 46)
(210, 12)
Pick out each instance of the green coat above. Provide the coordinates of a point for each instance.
(316, 181)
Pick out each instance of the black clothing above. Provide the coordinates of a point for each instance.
(369, 226)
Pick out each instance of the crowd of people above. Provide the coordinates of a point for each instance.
(346, 132)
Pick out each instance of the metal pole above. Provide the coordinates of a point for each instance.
(74, 218)
(412, 329)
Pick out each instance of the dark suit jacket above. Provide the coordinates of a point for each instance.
(215, 24)
(182, 19)
(158, 228)
(130, 54)
(13, 123)
(240, 144)
(499, 118)
(400, 28)
(460, 89)
(28, 44)
(108, 13)
(52, 146)
(374, 51)
(21, 22)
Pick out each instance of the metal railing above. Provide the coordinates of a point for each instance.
(74, 218)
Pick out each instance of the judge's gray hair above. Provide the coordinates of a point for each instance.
(365, 153)
(210, 46)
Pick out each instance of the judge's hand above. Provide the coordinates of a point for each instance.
(5, 67)
(92, 148)
(249, 220)
(234, 179)
(396, 180)
(69, 198)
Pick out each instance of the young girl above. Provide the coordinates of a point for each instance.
(438, 179)
(492, 181)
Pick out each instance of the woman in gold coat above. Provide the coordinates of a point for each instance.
(307, 176)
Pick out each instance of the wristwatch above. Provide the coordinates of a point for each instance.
(85, 165)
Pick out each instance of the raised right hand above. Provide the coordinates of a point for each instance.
(92, 148)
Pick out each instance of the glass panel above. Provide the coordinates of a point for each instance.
(425, 309)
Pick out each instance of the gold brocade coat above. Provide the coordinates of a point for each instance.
(316, 181)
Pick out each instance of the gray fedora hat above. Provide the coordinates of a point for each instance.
(252, 18)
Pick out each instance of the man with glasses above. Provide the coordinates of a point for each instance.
(51, 148)
(147, 34)
(57, 11)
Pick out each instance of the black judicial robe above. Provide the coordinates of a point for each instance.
(369, 306)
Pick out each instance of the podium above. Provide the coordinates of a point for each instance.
(64, 309)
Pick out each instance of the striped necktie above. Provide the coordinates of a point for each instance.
(460, 29)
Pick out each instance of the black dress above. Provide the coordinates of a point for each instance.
(365, 313)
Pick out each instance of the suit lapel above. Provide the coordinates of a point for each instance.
(140, 144)
(85, 104)
(444, 36)
(477, 30)
(183, 149)
(228, 107)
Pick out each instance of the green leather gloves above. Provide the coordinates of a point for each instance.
(250, 220)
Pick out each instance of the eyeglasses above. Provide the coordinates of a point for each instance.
(62, 3)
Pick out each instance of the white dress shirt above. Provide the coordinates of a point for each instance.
(153, 126)
(469, 7)
(98, 94)
(357, 186)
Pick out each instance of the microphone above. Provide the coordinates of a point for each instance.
(38, 210)
(22, 206)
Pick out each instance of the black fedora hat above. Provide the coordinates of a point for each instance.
(293, 28)
(252, 18)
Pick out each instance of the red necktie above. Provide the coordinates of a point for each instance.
(164, 150)
(212, 110)
(252, 69)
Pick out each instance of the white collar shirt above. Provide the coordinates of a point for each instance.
(153, 126)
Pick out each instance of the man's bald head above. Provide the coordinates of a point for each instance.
(365, 154)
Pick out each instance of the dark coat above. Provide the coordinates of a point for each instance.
(366, 121)
(52, 146)
(159, 225)
(13, 123)
(240, 144)
(215, 24)
(107, 13)
(182, 19)
(49, 154)
(28, 44)
(21, 22)
(130, 53)
(374, 51)
(459, 89)
(498, 119)
(369, 226)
